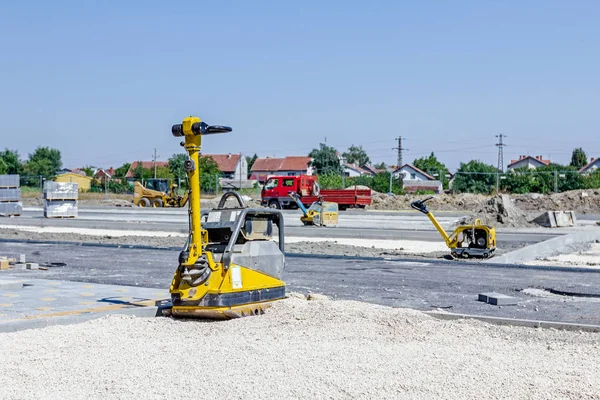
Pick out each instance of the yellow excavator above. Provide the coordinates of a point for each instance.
(474, 240)
(230, 265)
(157, 193)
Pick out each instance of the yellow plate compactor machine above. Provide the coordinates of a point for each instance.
(475, 240)
(230, 266)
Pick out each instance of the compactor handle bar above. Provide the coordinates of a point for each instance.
(228, 195)
(420, 205)
(200, 128)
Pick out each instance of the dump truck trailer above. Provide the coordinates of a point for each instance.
(275, 193)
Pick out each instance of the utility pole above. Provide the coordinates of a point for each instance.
(154, 162)
(400, 150)
(500, 146)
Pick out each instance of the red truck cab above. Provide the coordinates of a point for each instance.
(275, 193)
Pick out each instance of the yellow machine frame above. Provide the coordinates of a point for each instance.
(475, 240)
(203, 285)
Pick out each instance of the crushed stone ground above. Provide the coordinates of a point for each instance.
(319, 349)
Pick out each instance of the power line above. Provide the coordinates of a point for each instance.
(500, 152)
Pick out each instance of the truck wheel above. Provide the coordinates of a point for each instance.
(275, 204)
(144, 202)
(157, 203)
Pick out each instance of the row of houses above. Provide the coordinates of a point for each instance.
(533, 162)
(234, 170)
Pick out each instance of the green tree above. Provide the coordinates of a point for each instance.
(162, 173)
(431, 165)
(250, 162)
(475, 177)
(122, 171)
(176, 163)
(141, 173)
(89, 170)
(381, 165)
(209, 170)
(44, 161)
(12, 160)
(3, 167)
(381, 183)
(578, 158)
(356, 155)
(325, 160)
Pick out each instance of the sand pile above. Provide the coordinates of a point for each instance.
(318, 349)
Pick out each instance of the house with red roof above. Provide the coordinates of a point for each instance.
(103, 173)
(145, 164)
(233, 167)
(288, 166)
(529, 162)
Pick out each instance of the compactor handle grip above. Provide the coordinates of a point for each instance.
(200, 128)
(419, 205)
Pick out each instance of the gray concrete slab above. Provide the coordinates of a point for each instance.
(41, 302)
(424, 285)
(7, 284)
(558, 245)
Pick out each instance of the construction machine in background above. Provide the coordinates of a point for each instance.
(230, 265)
(320, 213)
(472, 240)
(158, 193)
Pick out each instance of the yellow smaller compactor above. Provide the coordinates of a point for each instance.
(476, 240)
(320, 213)
(230, 266)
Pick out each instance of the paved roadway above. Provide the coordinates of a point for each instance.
(401, 283)
(353, 224)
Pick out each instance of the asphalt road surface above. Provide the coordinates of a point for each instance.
(426, 285)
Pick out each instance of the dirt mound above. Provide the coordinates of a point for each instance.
(460, 202)
(581, 201)
(501, 209)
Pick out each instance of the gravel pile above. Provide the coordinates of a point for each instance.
(319, 349)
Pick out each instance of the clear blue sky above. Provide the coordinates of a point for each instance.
(104, 81)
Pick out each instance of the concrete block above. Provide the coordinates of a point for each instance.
(11, 208)
(9, 181)
(10, 285)
(497, 299)
(32, 266)
(556, 219)
(22, 258)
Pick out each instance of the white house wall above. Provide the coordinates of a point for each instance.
(408, 174)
